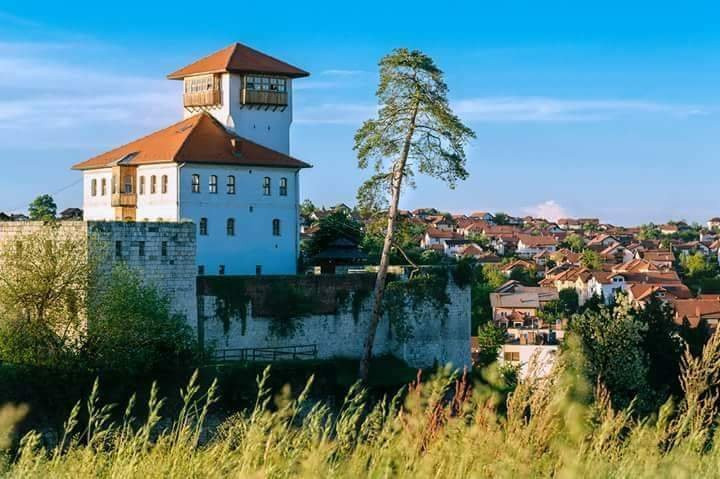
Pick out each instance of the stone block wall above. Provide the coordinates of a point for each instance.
(140, 245)
(339, 321)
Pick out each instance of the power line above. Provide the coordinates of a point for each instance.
(51, 194)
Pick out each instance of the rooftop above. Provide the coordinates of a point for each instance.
(238, 58)
(198, 139)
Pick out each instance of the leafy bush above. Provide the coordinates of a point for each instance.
(131, 327)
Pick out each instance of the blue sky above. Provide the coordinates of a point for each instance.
(610, 110)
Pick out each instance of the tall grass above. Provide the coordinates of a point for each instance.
(558, 426)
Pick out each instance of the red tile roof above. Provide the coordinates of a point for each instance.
(238, 58)
(198, 139)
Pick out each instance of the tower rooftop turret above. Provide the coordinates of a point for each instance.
(238, 58)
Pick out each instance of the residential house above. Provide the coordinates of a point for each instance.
(514, 297)
(714, 223)
(529, 245)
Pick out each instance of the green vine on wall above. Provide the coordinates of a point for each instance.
(429, 287)
(231, 301)
(288, 304)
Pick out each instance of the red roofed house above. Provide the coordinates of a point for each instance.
(226, 166)
(530, 245)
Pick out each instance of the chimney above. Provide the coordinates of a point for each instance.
(236, 145)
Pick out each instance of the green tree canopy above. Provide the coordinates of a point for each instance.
(332, 227)
(490, 339)
(131, 327)
(43, 208)
(415, 132)
(591, 259)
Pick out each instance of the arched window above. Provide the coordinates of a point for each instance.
(283, 186)
(203, 227)
(231, 227)
(164, 184)
(153, 184)
(141, 189)
(196, 183)
(213, 184)
(231, 185)
(266, 186)
(103, 187)
(93, 187)
(276, 227)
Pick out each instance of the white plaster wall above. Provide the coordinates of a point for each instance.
(157, 206)
(253, 243)
(97, 207)
(268, 127)
(543, 355)
(436, 338)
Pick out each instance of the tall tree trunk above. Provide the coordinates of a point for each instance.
(398, 174)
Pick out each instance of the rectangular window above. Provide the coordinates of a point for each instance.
(231, 227)
(93, 187)
(511, 356)
(103, 187)
(164, 184)
(113, 186)
(213, 184)
(266, 186)
(141, 248)
(196, 183)
(153, 184)
(201, 270)
(221, 269)
(127, 184)
(283, 186)
(198, 83)
(118, 249)
(163, 249)
(258, 269)
(203, 226)
(231, 185)
(142, 185)
(276, 227)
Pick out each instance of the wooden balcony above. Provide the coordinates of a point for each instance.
(202, 98)
(263, 97)
(123, 199)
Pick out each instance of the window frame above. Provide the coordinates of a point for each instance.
(103, 187)
(212, 184)
(195, 183)
(230, 226)
(231, 184)
(153, 184)
(267, 186)
(164, 184)
(203, 227)
(141, 185)
(276, 227)
(283, 186)
(93, 187)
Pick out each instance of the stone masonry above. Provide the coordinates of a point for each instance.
(162, 253)
(338, 331)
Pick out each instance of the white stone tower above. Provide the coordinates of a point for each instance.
(247, 91)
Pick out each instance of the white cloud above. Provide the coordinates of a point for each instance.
(541, 109)
(58, 104)
(550, 210)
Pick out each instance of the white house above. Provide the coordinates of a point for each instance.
(530, 245)
(226, 166)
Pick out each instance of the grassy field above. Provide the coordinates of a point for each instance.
(444, 427)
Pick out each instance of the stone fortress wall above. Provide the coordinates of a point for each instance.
(230, 312)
